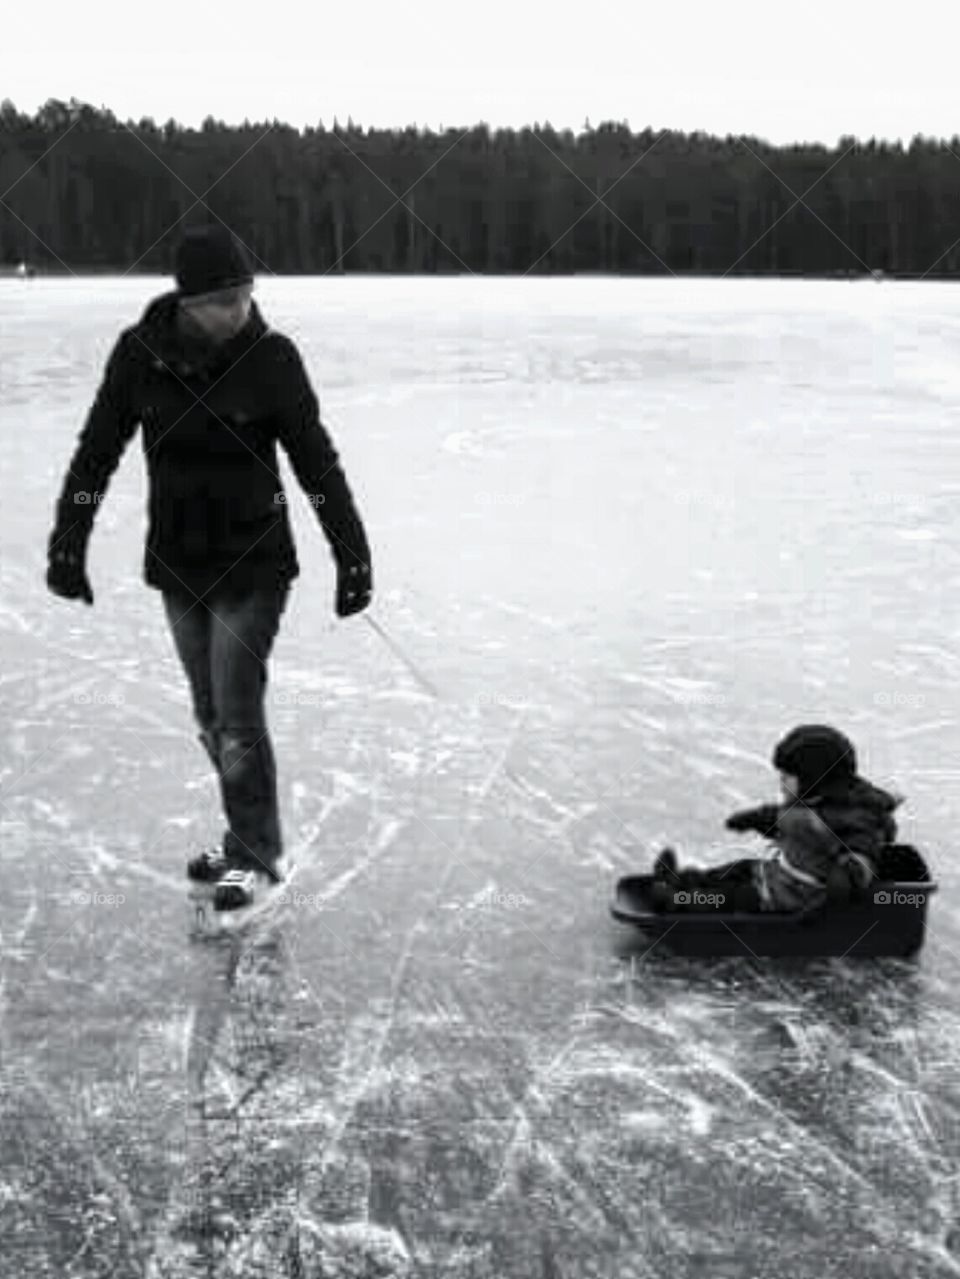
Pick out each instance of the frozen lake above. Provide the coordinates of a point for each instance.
(632, 531)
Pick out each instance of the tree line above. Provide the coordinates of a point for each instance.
(81, 191)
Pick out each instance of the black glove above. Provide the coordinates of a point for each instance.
(763, 819)
(354, 587)
(67, 574)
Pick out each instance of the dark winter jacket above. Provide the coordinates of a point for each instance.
(820, 832)
(211, 418)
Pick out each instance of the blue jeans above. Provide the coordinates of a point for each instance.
(224, 642)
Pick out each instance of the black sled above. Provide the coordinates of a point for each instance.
(888, 919)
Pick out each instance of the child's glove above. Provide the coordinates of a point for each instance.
(847, 880)
(67, 575)
(856, 873)
(762, 819)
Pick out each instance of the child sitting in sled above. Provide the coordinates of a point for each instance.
(828, 829)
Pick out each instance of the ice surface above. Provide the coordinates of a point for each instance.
(631, 531)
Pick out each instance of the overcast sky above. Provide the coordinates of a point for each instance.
(742, 67)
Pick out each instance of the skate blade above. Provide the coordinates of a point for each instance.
(207, 922)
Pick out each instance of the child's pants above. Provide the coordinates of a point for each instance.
(735, 881)
(224, 643)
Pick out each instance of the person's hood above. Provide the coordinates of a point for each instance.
(171, 343)
(860, 793)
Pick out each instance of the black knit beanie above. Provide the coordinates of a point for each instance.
(820, 757)
(209, 258)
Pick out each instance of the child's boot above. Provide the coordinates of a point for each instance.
(666, 880)
(665, 867)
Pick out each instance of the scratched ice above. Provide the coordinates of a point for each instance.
(629, 532)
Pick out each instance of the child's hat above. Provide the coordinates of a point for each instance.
(210, 258)
(817, 755)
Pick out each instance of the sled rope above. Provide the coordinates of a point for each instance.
(395, 648)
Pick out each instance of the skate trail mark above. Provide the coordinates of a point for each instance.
(385, 1021)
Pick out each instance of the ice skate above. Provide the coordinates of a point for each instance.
(204, 873)
(243, 895)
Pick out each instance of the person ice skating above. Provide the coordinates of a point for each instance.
(215, 388)
(828, 828)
